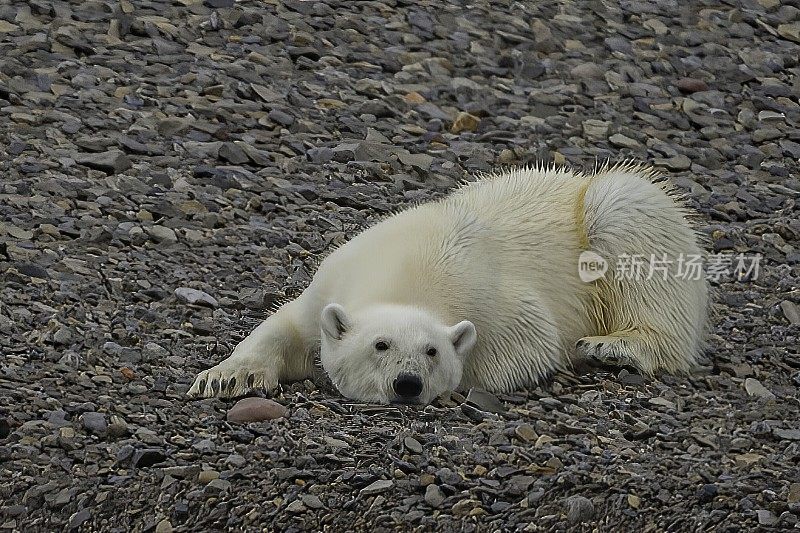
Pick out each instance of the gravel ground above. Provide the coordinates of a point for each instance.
(150, 147)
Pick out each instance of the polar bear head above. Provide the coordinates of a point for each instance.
(393, 353)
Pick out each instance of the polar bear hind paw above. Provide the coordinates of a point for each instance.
(228, 383)
(607, 350)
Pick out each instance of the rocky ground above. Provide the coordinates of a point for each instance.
(152, 147)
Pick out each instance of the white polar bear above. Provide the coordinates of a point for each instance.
(482, 288)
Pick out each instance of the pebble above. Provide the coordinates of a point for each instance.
(412, 445)
(195, 297)
(148, 457)
(434, 496)
(707, 493)
(691, 85)
(377, 487)
(255, 410)
(791, 311)
(312, 502)
(296, 506)
(162, 234)
(596, 129)
(164, 526)
(623, 141)
(95, 422)
(787, 434)
(766, 517)
(78, 518)
(634, 501)
(794, 493)
(678, 162)
(755, 388)
(526, 433)
(465, 122)
(485, 401)
(790, 31)
(206, 476)
(110, 162)
(579, 509)
(217, 485)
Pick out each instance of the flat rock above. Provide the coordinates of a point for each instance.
(623, 141)
(755, 388)
(376, 487)
(485, 401)
(195, 297)
(596, 129)
(787, 434)
(110, 162)
(790, 31)
(255, 410)
(791, 311)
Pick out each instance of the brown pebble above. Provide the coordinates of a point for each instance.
(465, 122)
(255, 410)
(691, 85)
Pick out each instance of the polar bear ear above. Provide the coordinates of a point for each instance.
(463, 336)
(334, 321)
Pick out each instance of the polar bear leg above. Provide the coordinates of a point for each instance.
(279, 349)
(607, 350)
(649, 320)
(620, 349)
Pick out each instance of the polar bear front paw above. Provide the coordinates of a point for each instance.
(606, 350)
(227, 380)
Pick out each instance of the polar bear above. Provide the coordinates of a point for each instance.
(484, 289)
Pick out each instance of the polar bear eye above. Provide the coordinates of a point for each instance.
(431, 351)
(381, 346)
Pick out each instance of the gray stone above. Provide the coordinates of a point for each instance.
(791, 311)
(755, 388)
(434, 496)
(218, 485)
(790, 32)
(312, 502)
(376, 487)
(164, 526)
(412, 445)
(78, 518)
(787, 434)
(162, 234)
(677, 162)
(622, 141)
(110, 162)
(766, 517)
(596, 129)
(95, 422)
(195, 297)
(485, 401)
(579, 509)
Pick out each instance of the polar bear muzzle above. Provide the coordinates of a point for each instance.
(407, 386)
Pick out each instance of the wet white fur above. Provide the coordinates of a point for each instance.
(501, 253)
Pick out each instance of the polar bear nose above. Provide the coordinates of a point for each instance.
(407, 386)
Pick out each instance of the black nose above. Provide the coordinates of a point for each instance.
(407, 386)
